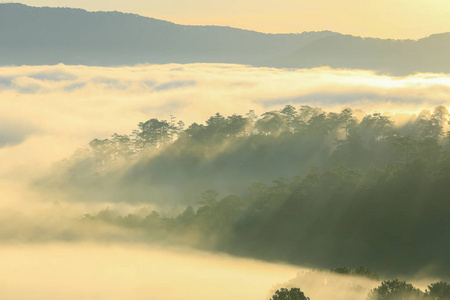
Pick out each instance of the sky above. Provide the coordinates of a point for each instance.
(397, 19)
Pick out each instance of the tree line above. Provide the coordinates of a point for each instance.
(388, 290)
(360, 190)
(345, 127)
(230, 153)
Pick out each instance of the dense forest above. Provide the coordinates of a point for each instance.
(302, 185)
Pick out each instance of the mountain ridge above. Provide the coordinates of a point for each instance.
(43, 35)
(212, 26)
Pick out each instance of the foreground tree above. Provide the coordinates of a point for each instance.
(395, 290)
(439, 290)
(292, 294)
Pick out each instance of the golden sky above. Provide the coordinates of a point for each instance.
(381, 18)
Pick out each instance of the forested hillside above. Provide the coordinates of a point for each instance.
(298, 185)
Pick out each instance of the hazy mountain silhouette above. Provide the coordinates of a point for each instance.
(392, 56)
(43, 35)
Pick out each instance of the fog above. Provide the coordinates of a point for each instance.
(84, 271)
(56, 109)
(120, 271)
(48, 249)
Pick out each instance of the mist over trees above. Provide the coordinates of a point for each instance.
(228, 154)
(397, 289)
(299, 185)
(388, 290)
(358, 271)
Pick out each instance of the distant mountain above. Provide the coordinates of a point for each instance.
(399, 57)
(43, 35)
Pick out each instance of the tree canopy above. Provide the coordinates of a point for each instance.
(289, 294)
(395, 290)
(303, 185)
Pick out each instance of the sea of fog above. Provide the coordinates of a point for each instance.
(109, 271)
(55, 109)
(47, 112)
(118, 271)
(122, 271)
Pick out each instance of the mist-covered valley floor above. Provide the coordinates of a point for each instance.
(220, 181)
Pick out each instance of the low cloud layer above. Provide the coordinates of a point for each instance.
(48, 112)
(117, 271)
(122, 271)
